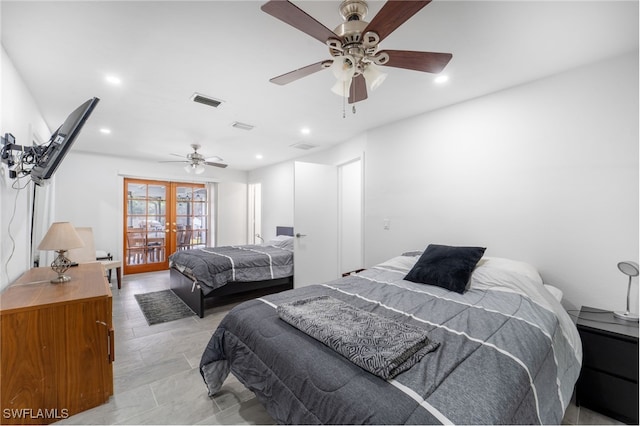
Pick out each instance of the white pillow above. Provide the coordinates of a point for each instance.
(555, 291)
(498, 271)
(282, 241)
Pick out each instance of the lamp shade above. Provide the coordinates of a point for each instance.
(629, 268)
(341, 88)
(193, 167)
(343, 67)
(373, 76)
(61, 236)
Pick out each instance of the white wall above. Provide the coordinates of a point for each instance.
(277, 183)
(546, 173)
(19, 115)
(90, 193)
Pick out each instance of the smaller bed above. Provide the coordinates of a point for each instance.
(205, 275)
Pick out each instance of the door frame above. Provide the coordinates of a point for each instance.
(145, 267)
(341, 188)
(170, 241)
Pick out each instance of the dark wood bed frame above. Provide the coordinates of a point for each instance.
(184, 288)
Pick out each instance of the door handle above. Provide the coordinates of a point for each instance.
(299, 235)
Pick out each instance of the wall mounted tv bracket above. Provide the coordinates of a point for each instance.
(16, 157)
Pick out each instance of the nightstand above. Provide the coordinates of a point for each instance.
(608, 381)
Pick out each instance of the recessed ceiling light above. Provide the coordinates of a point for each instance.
(105, 131)
(112, 79)
(305, 130)
(441, 79)
(259, 156)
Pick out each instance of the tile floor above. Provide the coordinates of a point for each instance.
(156, 377)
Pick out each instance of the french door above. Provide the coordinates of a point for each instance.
(160, 218)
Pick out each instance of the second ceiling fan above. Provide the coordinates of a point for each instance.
(353, 45)
(196, 161)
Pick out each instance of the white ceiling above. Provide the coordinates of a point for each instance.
(166, 51)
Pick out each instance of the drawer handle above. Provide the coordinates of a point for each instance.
(111, 342)
(112, 345)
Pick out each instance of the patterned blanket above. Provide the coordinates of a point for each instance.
(381, 346)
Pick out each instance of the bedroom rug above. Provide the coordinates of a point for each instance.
(162, 306)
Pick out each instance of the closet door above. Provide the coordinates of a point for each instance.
(315, 223)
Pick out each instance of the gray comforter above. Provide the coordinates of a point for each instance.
(505, 356)
(214, 267)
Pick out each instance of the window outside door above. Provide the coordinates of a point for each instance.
(160, 218)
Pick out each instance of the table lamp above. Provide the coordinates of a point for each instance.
(631, 269)
(61, 237)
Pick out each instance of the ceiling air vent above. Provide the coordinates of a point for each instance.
(243, 126)
(206, 100)
(304, 146)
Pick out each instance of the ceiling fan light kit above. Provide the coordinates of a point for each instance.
(353, 45)
(374, 76)
(343, 67)
(341, 88)
(196, 168)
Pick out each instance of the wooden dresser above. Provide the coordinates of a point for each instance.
(57, 345)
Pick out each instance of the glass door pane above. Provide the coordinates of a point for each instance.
(146, 218)
(192, 216)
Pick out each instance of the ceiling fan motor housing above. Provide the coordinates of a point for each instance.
(195, 156)
(353, 42)
(353, 10)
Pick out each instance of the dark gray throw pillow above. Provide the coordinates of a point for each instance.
(446, 266)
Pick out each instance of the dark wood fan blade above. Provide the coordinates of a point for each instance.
(300, 72)
(298, 18)
(393, 14)
(418, 61)
(209, 163)
(358, 89)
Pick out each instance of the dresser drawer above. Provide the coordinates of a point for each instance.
(609, 395)
(610, 355)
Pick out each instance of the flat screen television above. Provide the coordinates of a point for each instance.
(61, 141)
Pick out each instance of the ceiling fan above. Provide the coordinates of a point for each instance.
(196, 161)
(353, 45)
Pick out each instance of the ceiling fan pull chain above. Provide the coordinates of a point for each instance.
(344, 101)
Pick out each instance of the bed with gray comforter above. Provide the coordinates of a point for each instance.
(213, 267)
(503, 352)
